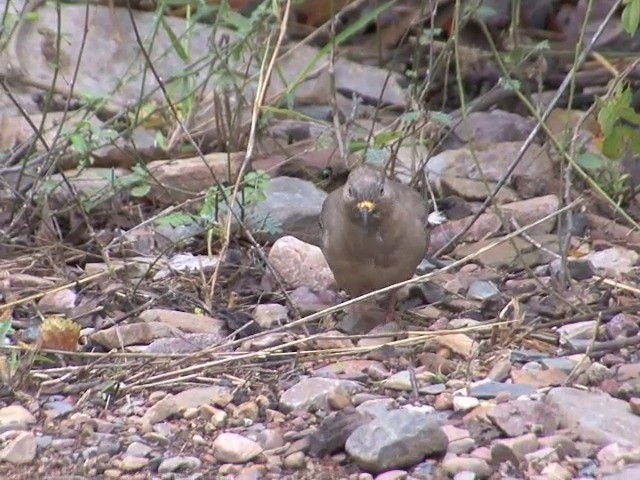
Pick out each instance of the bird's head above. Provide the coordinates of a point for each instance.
(368, 196)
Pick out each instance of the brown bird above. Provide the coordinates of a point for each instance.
(373, 233)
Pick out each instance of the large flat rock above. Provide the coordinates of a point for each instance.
(595, 416)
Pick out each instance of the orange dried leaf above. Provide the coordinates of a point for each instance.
(59, 333)
(598, 142)
(5, 315)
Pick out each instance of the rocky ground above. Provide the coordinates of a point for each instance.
(137, 348)
(483, 382)
(496, 367)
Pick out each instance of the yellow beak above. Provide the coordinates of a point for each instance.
(366, 209)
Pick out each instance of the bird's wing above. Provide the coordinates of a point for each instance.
(330, 204)
(411, 201)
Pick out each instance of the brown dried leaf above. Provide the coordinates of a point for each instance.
(59, 333)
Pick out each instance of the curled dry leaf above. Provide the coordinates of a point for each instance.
(60, 333)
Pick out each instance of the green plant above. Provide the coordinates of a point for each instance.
(137, 184)
(6, 330)
(88, 136)
(631, 16)
(214, 208)
(607, 174)
(620, 126)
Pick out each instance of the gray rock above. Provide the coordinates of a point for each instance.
(481, 290)
(622, 324)
(631, 472)
(475, 190)
(138, 449)
(494, 126)
(110, 446)
(488, 390)
(334, 431)
(425, 470)
(465, 475)
(314, 393)
(300, 264)
(270, 438)
(402, 380)
(456, 465)
(185, 321)
(295, 204)
(396, 439)
(434, 389)
(518, 417)
(464, 404)
(198, 396)
(20, 450)
(563, 364)
(46, 440)
(161, 410)
(595, 417)
(597, 373)
(490, 162)
(89, 184)
(615, 260)
(166, 234)
(577, 331)
(376, 407)
(555, 471)
(513, 449)
(187, 343)
(578, 269)
(295, 461)
(186, 263)
(57, 408)
(523, 356)
(234, 448)
(508, 255)
(526, 212)
(269, 315)
(133, 464)
(500, 371)
(393, 475)
(179, 464)
(309, 301)
(15, 417)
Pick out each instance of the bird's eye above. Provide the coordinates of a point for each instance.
(350, 191)
(381, 189)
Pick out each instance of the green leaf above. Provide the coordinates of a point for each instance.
(428, 35)
(411, 116)
(357, 146)
(176, 219)
(631, 17)
(161, 141)
(5, 328)
(510, 84)
(442, 118)
(590, 161)
(140, 190)
(175, 41)
(630, 115)
(613, 144)
(384, 139)
(79, 143)
(235, 20)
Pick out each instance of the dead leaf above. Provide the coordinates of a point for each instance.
(59, 333)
